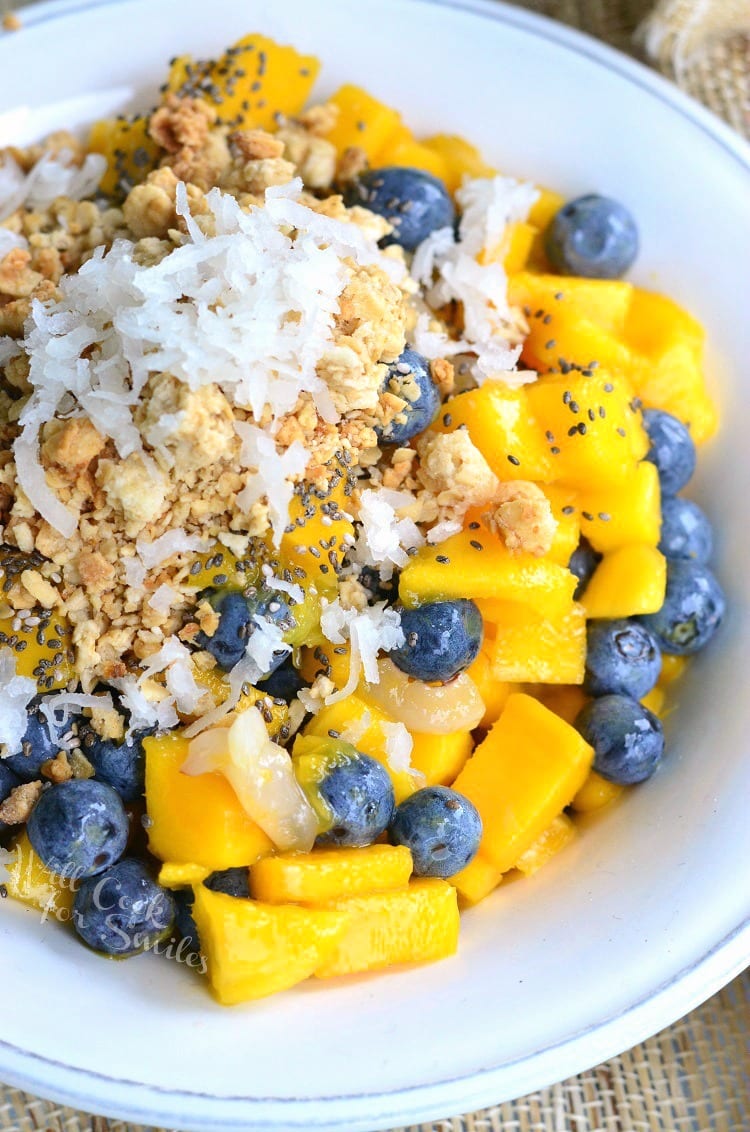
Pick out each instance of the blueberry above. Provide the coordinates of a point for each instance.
(693, 609)
(357, 792)
(409, 378)
(440, 827)
(592, 236)
(672, 449)
(442, 639)
(120, 765)
(622, 657)
(79, 828)
(284, 682)
(627, 738)
(123, 912)
(414, 202)
(184, 923)
(236, 612)
(377, 588)
(583, 561)
(685, 531)
(232, 882)
(8, 782)
(38, 746)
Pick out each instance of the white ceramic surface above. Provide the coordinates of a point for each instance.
(649, 912)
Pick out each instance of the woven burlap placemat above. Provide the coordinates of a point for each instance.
(695, 1075)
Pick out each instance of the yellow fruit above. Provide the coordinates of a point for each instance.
(41, 641)
(477, 880)
(627, 582)
(195, 820)
(568, 532)
(131, 154)
(414, 155)
(180, 874)
(363, 121)
(522, 776)
(555, 838)
(314, 550)
(604, 302)
(440, 758)
(545, 651)
(275, 714)
(595, 793)
(592, 448)
(326, 660)
(330, 874)
(633, 509)
(256, 82)
(418, 924)
(253, 949)
(501, 423)
(672, 667)
(494, 692)
(456, 568)
(219, 567)
(462, 159)
(30, 881)
(655, 701)
(365, 720)
(544, 207)
(565, 701)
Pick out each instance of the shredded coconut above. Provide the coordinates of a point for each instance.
(60, 706)
(174, 659)
(172, 542)
(16, 693)
(54, 175)
(273, 471)
(467, 271)
(274, 582)
(144, 713)
(384, 538)
(163, 598)
(398, 747)
(368, 631)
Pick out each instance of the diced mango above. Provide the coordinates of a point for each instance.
(655, 701)
(555, 838)
(564, 700)
(43, 647)
(568, 532)
(522, 776)
(30, 881)
(326, 659)
(413, 155)
(418, 924)
(215, 681)
(625, 513)
(363, 121)
(348, 717)
(672, 667)
(195, 820)
(330, 874)
(545, 206)
(494, 692)
(595, 793)
(462, 159)
(501, 423)
(317, 521)
(519, 240)
(131, 154)
(455, 568)
(591, 447)
(605, 302)
(219, 562)
(627, 582)
(668, 374)
(182, 874)
(253, 949)
(440, 758)
(545, 651)
(477, 880)
(255, 83)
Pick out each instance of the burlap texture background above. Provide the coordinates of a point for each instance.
(694, 1076)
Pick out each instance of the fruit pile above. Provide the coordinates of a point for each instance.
(299, 838)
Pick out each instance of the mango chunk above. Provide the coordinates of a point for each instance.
(628, 581)
(564, 700)
(544, 651)
(521, 776)
(461, 158)
(253, 949)
(477, 880)
(330, 874)
(568, 532)
(440, 758)
(456, 568)
(622, 514)
(131, 154)
(594, 425)
(255, 82)
(181, 874)
(195, 820)
(494, 692)
(317, 521)
(361, 724)
(672, 667)
(31, 882)
(418, 924)
(501, 423)
(605, 302)
(545, 206)
(554, 839)
(413, 155)
(595, 793)
(363, 121)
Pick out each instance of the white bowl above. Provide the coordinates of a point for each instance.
(648, 913)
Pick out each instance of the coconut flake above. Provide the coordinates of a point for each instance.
(384, 538)
(443, 530)
(61, 706)
(368, 631)
(144, 714)
(16, 693)
(398, 747)
(54, 175)
(273, 473)
(172, 542)
(164, 598)
(274, 582)
(175, 660)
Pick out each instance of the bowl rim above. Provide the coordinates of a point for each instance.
(663, 1004)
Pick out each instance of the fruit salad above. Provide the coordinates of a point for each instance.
(344, 556)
